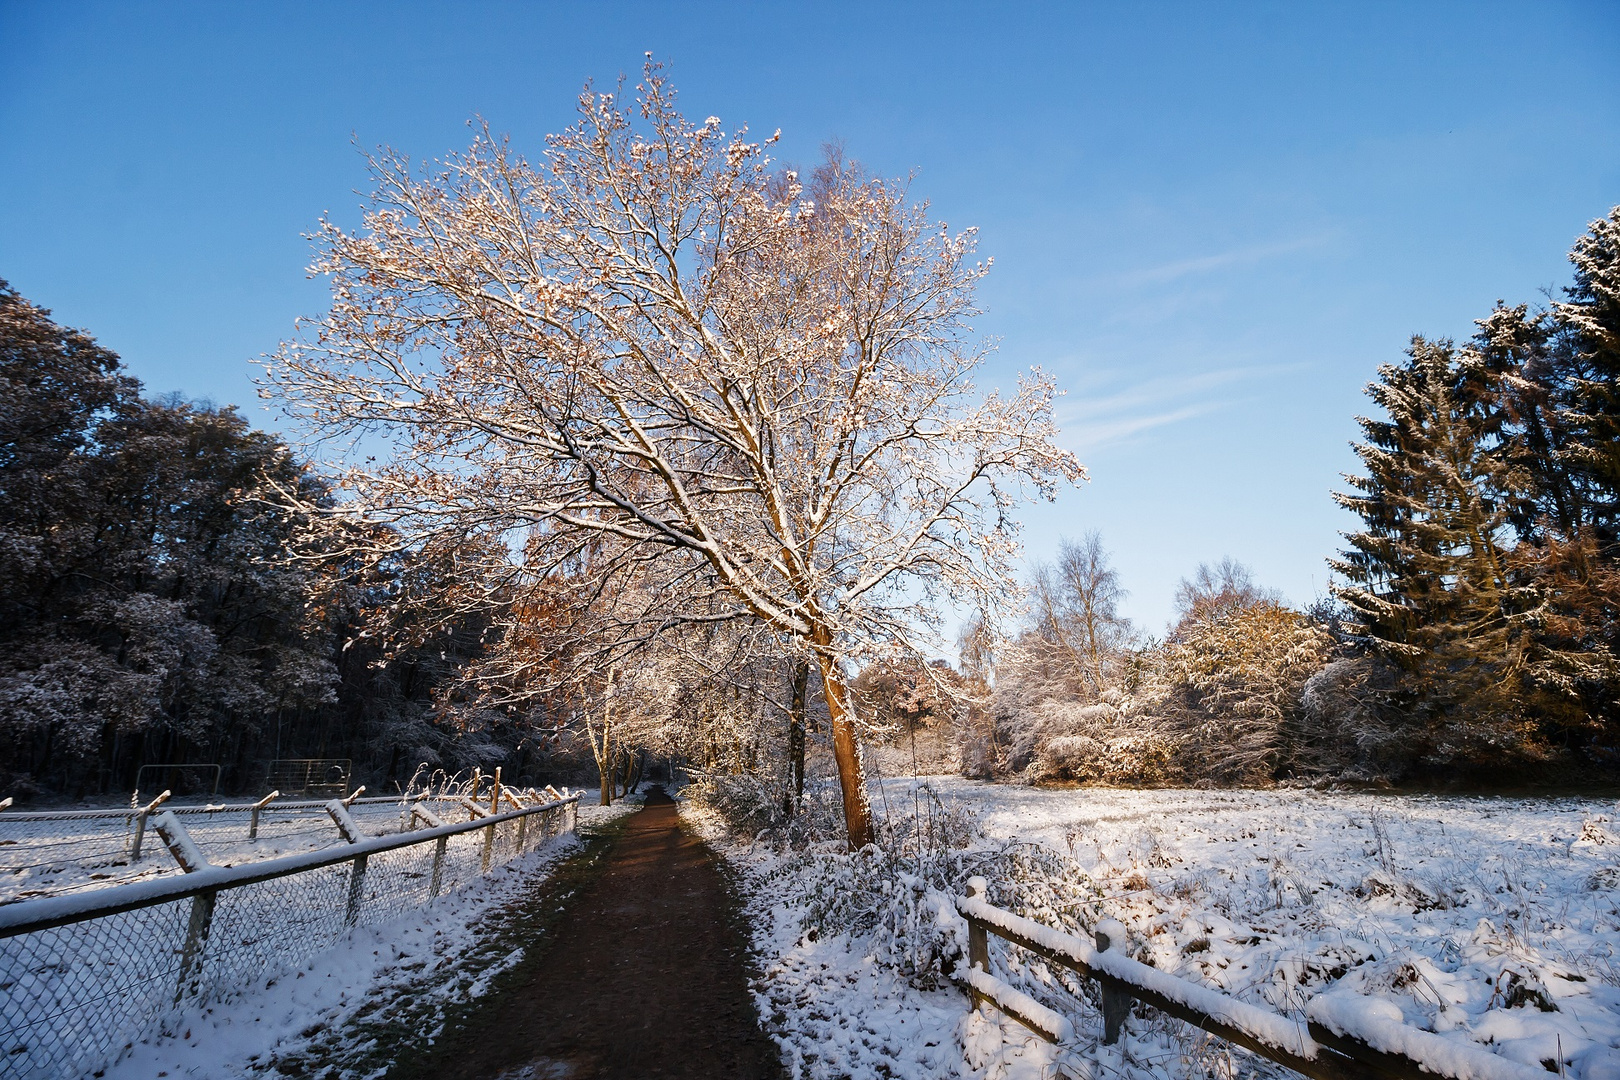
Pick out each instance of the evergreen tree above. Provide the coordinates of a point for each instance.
(1588, 353)
(1428, 576)
(1517, 347)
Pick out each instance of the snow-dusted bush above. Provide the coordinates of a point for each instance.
(900, 907)
(1072, 756)
(1138, 756)
(1220, 701)
(748, 803)
(1346, 727)
(895, 899)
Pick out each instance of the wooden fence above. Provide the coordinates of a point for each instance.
(1334, 1043)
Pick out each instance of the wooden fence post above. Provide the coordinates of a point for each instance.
(494, 808)
(253, 824)
(180, 845)
(344, 821)
(140, 825)
(191, 957)
(357, 891)
(191, 860)
(431, 819)
(438, 868)
(978, 940)
(1116, 1003)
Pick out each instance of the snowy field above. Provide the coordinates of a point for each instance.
(1490, 920)
(412, 970)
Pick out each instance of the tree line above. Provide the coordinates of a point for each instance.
(1470, 634)
(153, 609)
(678, 453)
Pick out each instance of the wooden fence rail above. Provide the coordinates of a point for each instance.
(1332, 1044)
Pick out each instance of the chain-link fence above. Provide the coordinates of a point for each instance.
(51, 853)
(83, 975)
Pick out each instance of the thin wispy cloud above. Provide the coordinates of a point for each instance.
(1247, 255)
(1085, 437)
(1092, 416)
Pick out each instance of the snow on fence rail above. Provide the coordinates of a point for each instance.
(46, 853)
(84, 974)
(1344, 1037)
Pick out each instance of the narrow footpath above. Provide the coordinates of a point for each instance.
(646, 975)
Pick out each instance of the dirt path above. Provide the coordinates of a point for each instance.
(645, 976)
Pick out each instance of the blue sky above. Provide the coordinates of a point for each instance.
(1211, 222)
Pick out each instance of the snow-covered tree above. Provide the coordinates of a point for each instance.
(145, 609)
(1074, 609)
(1590, 317)
(1214, 589)
(654, 341)
(1427, 576)
(1231, 682)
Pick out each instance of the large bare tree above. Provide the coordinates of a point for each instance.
(657, 342)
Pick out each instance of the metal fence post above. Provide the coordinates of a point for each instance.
(1116, 1003)
(357, 891)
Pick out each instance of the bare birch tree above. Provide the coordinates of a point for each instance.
(653, 340)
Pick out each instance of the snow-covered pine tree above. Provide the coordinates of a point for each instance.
(1562, 398)
(1428, 577)
(1589, 356)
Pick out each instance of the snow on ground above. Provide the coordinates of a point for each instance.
(423, 964)
(838, 1014)
(835, 1012)
(1490, 920)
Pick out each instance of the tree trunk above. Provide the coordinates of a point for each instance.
(605, 769)
(626, 762)
(851, 781)
(604, 751)
(801, 687)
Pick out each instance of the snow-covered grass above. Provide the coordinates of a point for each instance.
(1493, 921)
(832, 1006)
(333, 1014)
